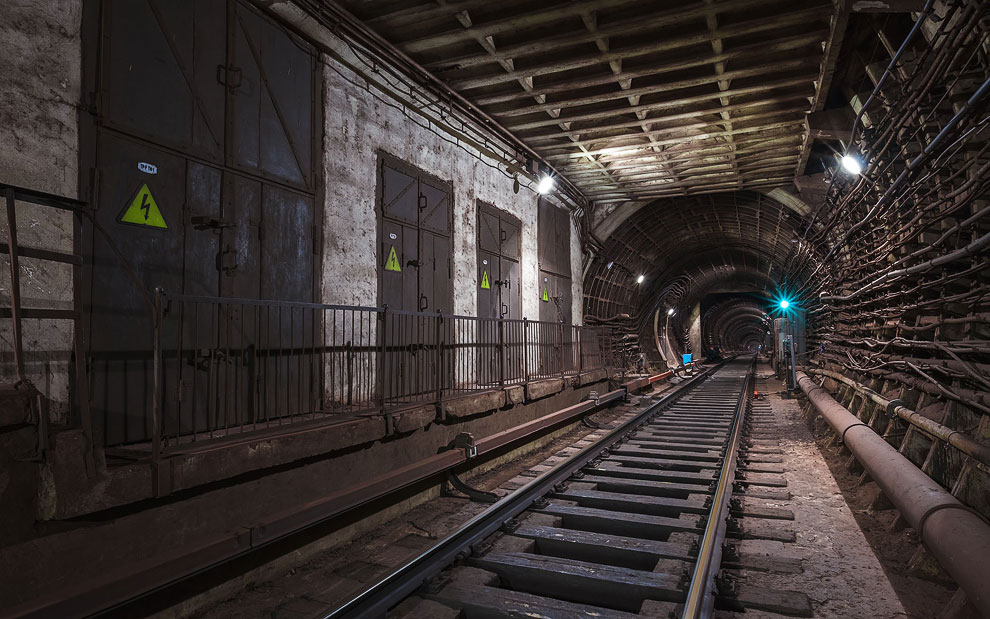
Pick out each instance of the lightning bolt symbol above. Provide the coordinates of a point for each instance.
(146, 206)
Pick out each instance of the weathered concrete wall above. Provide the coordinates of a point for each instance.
(40, 79)
(577, 279)
(694, 332)
(360, 122)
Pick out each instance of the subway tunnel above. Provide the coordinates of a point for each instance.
(458, 309)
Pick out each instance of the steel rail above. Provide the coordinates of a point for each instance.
(392, 589)
(700, 600)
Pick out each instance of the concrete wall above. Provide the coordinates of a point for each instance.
(40, 79)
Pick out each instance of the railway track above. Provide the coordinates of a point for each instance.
(640, 522)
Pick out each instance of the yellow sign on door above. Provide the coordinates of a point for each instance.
(546, 295)
(484, 280)
(392, 264)
(143, 210)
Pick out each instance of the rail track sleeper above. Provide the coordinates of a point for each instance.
(618, 550)
(581, 582)
(791, 603)
(639, 486)
(633, 525)
(755, 528)
(482, 601)
(637, 503)
(763, 563)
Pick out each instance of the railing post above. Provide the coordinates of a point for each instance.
(560, 347)
(15, 284)
(156, 392)
(380, 362)
(525, 340)
(580, 349)
(500, 348)
(440, 357)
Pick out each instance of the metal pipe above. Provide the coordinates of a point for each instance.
(956, 535)
(962, 442)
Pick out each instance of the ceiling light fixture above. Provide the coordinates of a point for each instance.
(546, 185)
(851, 164)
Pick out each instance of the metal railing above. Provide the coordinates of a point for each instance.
(226, 366)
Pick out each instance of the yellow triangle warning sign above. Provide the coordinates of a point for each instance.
(484, 280)
(392, 264)
(546, 295)
(143, 210)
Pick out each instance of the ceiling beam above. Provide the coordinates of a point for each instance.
(599, 126)
(806, 17)
(553, 42)
(674, 133)
(675, 103)
(566, 87)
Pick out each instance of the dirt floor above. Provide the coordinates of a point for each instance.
(893, 543)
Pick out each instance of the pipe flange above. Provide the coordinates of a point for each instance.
(892, 406)
(842, 439)
(937, 508)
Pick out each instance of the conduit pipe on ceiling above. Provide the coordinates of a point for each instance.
(957, 536)
(962, 442)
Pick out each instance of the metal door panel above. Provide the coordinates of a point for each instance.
(511, 300)
(400, 195)
(488, 298)
(400, 289)
(122, 327)
(435, 274)
(554, 234)
(270, 79)
(288, 241)
(488, 311)
(434, 206)
(186, 411)
(510, 238)
(239, 265)
(239, 262)
(488, 231)
(160, 72)
(287, 275)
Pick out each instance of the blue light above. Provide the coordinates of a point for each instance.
(784, 304)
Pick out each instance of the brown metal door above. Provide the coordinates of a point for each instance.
(414, 276)
(221, 83)
(122, 328)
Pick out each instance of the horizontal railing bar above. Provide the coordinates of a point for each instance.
(41, 313)
(42, 254)
(23, 194)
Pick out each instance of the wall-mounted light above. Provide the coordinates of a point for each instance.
(546, 184)
(784, 304)
(670, 311)
(851, 164)
(640, 279)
